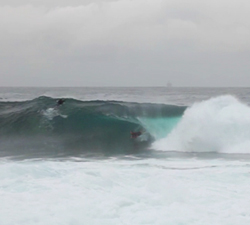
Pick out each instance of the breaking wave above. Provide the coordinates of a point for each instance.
(39, 127)
(220, 124)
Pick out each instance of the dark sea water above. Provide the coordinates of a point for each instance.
(77, 163)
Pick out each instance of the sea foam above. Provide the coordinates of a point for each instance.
(220, 124)
(111, 192)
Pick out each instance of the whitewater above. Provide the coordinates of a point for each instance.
(77, 164)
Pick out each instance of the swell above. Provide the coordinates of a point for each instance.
(36, 126)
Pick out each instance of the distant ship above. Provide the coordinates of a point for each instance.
(169, 85)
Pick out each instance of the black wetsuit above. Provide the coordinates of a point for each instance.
(60, 102)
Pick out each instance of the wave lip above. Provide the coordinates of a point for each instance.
(220, 124)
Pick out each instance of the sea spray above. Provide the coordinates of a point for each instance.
(220, 124)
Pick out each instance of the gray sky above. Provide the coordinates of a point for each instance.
(124, 42)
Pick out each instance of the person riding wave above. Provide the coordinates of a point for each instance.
(135, 134)
(60, 102)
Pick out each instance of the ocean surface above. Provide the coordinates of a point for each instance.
(77, 164)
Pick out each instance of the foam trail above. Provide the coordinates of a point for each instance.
(220, 124)
(50, 113)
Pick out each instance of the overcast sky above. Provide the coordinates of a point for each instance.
(124, 42)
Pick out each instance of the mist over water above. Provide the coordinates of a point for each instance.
(78, 164)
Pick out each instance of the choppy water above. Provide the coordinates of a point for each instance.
(76, 164)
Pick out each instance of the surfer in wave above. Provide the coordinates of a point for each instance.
(60, 102)
(50, 113)
(135, 134)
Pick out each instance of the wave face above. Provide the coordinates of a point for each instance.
(37, 127)
(220, 124)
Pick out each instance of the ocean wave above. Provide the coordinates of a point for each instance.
(39, 126)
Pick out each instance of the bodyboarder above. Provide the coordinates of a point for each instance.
(135, 134)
